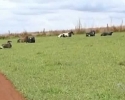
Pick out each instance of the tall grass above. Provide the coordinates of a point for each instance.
(76, 68)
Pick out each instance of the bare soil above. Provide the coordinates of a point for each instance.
(8, 91)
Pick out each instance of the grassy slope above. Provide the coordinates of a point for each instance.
(77, 68)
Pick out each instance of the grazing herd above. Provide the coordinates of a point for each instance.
(26, 39)
(92, 33)
(31, 39)
(88, 34)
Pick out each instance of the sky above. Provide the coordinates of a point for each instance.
(35, 15)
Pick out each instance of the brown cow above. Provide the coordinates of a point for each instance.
(30, 39)
(7, 45)
(22, 40)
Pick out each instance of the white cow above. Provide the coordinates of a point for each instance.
(68, 34)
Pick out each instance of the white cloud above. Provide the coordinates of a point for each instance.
(34, 15)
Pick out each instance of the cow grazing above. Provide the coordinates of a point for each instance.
(69, 34)
(106, 33)
(7, 45)
(91, 33)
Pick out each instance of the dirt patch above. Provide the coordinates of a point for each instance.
(8, 91)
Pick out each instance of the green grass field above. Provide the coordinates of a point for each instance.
(77, 68)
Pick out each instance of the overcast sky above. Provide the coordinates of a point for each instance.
(34, 15)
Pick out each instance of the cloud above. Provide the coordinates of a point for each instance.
(96, 5)
(34, 15)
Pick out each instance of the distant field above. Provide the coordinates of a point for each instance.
(76, 68)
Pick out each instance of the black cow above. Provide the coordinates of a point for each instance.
(31, 39)
(91, 33)
(106, 33)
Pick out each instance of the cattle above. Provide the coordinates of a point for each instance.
(22, 40)
(31, 39)
(68, 34)
(106, 33)
(26, 39)
(91, 33)
(7, 45)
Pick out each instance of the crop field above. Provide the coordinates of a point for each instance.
(76, 68)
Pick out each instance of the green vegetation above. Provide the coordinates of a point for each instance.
(76, 68)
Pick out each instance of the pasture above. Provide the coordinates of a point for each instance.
(76, 68)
